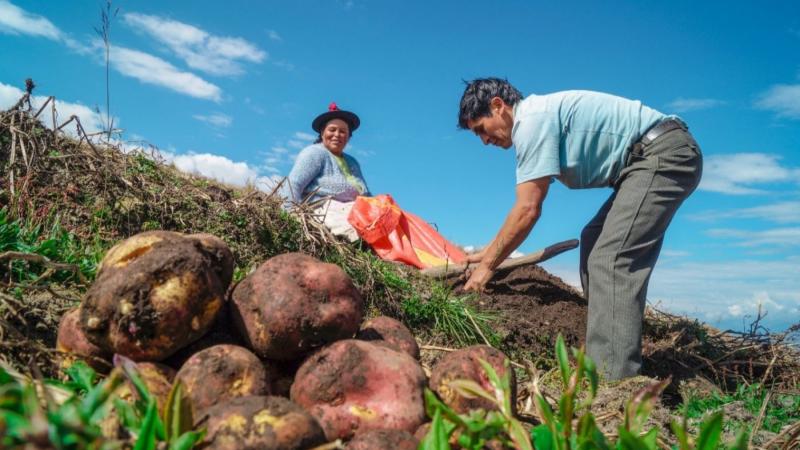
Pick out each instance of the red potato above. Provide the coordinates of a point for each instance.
(294, 303)
(155, 293)
(353, 386)
(392, 332)
(72, 340)
(464, 365)
(260, 423)
(221, 372)
(383, 439)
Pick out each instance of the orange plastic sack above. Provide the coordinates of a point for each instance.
(397, 235)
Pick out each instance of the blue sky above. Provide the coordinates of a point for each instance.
(229, 89)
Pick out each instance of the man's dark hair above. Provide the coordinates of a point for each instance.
(478, 94)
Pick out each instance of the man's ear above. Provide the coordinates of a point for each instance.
(496, 104)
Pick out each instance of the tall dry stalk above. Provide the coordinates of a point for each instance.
(104, 31)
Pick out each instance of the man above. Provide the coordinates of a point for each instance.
(589, 140)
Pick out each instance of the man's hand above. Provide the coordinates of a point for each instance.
(478, 279)
(476, 257)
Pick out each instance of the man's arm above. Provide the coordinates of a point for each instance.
(518, 224)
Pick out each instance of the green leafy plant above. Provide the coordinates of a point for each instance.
(66, 415)
(570, 425)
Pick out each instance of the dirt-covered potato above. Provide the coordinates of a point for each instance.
(353, 386)
(464, 365)
(156, 377)
(221, 372)
(383, 439)
(294, 303)
(155, 293)
(392, 332)
(260, 423)
(72, 340)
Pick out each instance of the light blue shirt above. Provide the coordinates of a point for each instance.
(579, 137)
(316, 170)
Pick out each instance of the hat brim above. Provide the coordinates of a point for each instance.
(351, 119)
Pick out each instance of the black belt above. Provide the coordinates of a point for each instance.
(662, 127)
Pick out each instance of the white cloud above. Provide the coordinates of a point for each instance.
(216, 55)
(279, 150)
(153, 70)
(784, 99)
(681, 104)
(91, 120)
(218, 120)
(216, 167)
(295, 144)
(734, 173)
(781, 212)
(274, 35)
(305, 136)
(14, 20)
(754, 238)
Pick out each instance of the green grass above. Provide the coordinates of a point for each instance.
(781, 410)
(54, 243)
(451, 315)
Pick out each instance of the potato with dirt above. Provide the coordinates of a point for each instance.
(383, 439)
(391, 332)
(354, 386)
(72, 342)
(157, 378)
(155, 293)
(220, 373)
(464, 364)
(260, 423)
(294, 303)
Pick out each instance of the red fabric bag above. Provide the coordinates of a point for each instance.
(398, 235)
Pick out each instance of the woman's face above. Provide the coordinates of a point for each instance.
(335, 136)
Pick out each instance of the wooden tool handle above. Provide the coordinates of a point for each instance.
(532, 258)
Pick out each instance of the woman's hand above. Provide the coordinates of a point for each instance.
(478, 279)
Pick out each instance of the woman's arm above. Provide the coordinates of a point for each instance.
(307, 167)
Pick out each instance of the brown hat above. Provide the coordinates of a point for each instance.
(335, 113)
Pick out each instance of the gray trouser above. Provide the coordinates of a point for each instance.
(620, 246)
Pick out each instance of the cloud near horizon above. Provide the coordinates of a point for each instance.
(736, 173)
(199, 49)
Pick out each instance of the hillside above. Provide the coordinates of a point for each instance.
(65, 201)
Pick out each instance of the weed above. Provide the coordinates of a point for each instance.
(451, 315)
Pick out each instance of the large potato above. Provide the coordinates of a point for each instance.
(260, 423)
(392, 332)
(353, 386)
(464, 365)
(383, 439)
(72, 341)
(222, 372)
(156, 377)
(294, 303)
(155, 293)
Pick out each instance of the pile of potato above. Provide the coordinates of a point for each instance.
(281, 360)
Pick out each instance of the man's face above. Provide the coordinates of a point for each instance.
(494, 129)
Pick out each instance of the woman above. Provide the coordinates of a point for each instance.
(323, 170)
